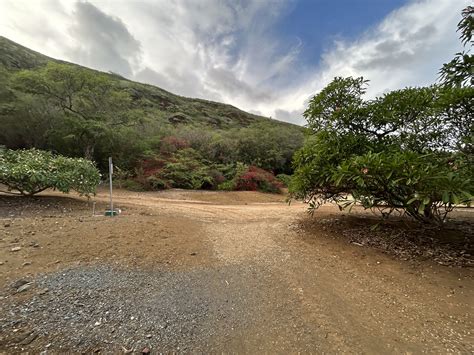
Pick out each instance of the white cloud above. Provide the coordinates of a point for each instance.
(407, 48)
(226, 50)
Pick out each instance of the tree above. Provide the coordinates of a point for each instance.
(32, 171)
(409, 149)
(93, 105)
(460, 70)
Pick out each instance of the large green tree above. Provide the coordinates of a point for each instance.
(92, 105)
(410, 149)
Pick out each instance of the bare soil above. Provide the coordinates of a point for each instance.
(244, 272)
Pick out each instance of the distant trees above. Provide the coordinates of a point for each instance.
(31, 171)
(409, 150)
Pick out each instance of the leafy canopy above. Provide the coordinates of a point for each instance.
(410, 149)
(92, 105)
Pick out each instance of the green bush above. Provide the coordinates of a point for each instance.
(185, 170)
(227, 186)
(284, 179)
(132, 185)
(32, 171)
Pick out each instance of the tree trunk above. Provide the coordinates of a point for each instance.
(89, 151)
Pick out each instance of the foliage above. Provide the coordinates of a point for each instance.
(132, 185)
(409, 149)
(284, 179)
(460, 70)
(75, 111)
(186, 170)
(256, 179)
(92, 106)
(32, 171)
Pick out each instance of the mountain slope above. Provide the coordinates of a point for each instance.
(160, 104)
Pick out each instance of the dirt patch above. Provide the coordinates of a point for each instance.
(216, 272)
(451, 245)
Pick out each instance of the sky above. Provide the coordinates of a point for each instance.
(264, 56)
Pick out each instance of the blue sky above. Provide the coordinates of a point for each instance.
(264, 56)
(317, 23)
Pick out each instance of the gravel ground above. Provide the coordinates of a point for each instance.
(106, 308)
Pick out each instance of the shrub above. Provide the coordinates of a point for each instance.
(284, 179)
(227, 186)
(216, 178)
(132, 185)
(156, 183)
(32, 171)
(185, 170)
(256, 179)
(171, 144)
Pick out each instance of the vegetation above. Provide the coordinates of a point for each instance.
(78, 112)
(409, 150)
(460, 70)
(32, 171)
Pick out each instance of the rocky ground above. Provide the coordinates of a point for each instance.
(182, 271)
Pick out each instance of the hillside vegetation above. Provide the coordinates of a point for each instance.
(157, 139)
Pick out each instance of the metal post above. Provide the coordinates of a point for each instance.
(111, 171)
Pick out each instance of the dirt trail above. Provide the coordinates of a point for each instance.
(240, 276)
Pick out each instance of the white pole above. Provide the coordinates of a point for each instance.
(111, 170)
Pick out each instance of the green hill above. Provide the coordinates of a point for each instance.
(159, 103)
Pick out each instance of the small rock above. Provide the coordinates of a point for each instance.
(43, 291)
(1, 263)
(18, 283)
(193, 254)
(6, 225)
(146, 351)
(15, 249)
(26, 263)
(29, 339)
(148, 336)
(127, 351)
(25, 287)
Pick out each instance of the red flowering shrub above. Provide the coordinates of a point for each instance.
(151, 166)
(256, 179)
(171, 144)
